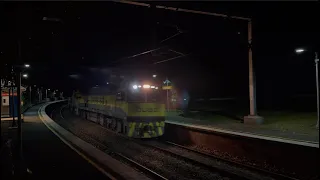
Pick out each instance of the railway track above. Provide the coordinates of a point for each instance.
(165, 148)
(235, 163)
(117, 155)
(223, 167)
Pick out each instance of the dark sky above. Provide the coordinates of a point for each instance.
(103, 34)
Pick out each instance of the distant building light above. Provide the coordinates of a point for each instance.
(154, 75)
(27, 65)
(25, 75)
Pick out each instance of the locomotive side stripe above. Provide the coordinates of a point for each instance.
(146, 135)
(132, 128)
(159, 128)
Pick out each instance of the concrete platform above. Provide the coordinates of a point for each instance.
(253, 131)
(51, 152)
(46, 156)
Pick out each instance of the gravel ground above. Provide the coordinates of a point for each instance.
(243, 160)
(158, 161)
(209, 161)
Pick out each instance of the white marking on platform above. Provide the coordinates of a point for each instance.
(71, 146)
(251, 135)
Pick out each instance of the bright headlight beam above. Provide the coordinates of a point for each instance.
(300, 50)
(146, 86)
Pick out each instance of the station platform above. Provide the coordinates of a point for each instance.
(47, 157)
(235, 127)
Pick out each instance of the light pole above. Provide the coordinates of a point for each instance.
(18, 80)
(30, 100)
(47, 93)
(1, 106)
(316, 61)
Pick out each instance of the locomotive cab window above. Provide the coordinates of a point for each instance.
(144, 96)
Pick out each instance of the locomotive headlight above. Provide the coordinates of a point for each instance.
(146, 86)
(135, 87)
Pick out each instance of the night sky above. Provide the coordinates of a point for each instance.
(102, 35)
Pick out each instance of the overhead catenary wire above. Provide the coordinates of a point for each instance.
(180, 10)
(183, 10)
(176, 52)
(139, 54)
(171, 37)
(170, 59)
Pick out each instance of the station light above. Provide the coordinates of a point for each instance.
(146, 86)
(139, 86)
(152, 87)
(135, 87)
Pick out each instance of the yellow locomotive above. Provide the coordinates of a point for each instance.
(134, 109)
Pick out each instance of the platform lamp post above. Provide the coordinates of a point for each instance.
(20, 69)
(316, 61)
(0, 105)
(47, 93)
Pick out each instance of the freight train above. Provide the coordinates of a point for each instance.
(135, 109)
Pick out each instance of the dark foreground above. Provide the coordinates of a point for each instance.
(47, 157)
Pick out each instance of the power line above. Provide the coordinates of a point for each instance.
(136, 55)
(171, 36)
(170, 59)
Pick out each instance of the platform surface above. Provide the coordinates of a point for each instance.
(227, 125)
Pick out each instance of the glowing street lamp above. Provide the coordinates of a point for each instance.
(316, 61)
(25, 75)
